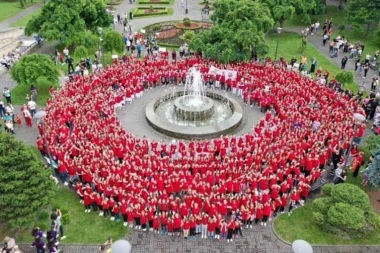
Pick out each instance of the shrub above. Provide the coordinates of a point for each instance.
(373, 220)
(156, 27)
(318, 218)
(322, 205)
(43, 216)
(151, 7)
(326, 189)
(345, 77)
(186, 22)
(81, 52)
(346, 216)
(351, 195)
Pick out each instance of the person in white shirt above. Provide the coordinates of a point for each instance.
(32, 107)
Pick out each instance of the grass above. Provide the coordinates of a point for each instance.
(9, 9)
(20, 91)
(289, 46)
(299, 226)
(84, 228)
(23, 21)
(332, 12)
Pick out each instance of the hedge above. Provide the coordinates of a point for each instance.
(154, 2)
(161, 10)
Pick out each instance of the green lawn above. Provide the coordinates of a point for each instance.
(84, 228)
(300, 226)
(332, 12)
(10, 8)
(23, 21)
(20, 91)
(289, 46)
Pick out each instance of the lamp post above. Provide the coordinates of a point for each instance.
(40, 115)
(100, 31)
(279, 29)
(359, 118)
(186, 10)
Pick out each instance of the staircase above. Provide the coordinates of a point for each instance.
(9, 40)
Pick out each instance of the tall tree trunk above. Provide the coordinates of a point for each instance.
(282, 22)
(366, 32)
(22, 3)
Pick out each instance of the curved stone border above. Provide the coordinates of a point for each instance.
(188, 133)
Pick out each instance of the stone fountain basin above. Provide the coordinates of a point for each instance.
(190, 132)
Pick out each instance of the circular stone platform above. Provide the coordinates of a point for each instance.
(196, 110)
(191, 132)
(132, 116)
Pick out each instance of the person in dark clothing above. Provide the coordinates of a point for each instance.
(344, 62)
(70, 61)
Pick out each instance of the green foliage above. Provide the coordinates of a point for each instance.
(25, 185)
(363, 12)
(69, 20)
(31, 67)
(322, 205)
(239, 31)
(156, 27)
(350, 194)
(186, 22)
(341, 28)
(326, 189)
(344, 208)
(345, 77)
(81, 52)
(43, 216)
(188, 36)
(113, 42)
(303, 46)
(346, 217)
(374, 167)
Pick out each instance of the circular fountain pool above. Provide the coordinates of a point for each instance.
(193, 112)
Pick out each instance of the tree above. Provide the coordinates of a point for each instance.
(31, 67)
(344, 208)
(113, 41)
(81, 52)
(239, 29)
(363, 12)
(22, 4)
(25, 185)
(69, 20)
(283, 10)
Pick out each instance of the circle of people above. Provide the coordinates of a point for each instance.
(207, 188)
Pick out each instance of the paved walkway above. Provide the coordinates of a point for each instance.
(259, 239)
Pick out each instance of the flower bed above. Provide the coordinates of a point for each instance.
(193, 26)
(154, 2)
(169, 32)
(147, 11)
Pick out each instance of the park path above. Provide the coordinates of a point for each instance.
(259, 239)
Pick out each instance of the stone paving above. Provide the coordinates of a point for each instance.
(132, 116)
(257, 240)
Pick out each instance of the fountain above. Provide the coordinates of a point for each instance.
(193, 112)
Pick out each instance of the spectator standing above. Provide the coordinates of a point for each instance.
(58, 224)
(344, 62)
(34, 93)
(66, 54)
(32, 107)
(7, 95)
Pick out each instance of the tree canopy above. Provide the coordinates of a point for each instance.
(31, 67)
(363, 12)
(239, 31)
(374, 168)
(25, 185)
(113, 41)
(345, 208)
(68, 20)
(283, 10)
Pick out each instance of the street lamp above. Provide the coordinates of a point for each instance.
(40, 115)
(186, 10)
(359, 118)
(100, 31)
(279, 29)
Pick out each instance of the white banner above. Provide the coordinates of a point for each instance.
(226, 72)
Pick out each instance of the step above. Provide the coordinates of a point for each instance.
(6, 41)
(12, 33)
(4, 50)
